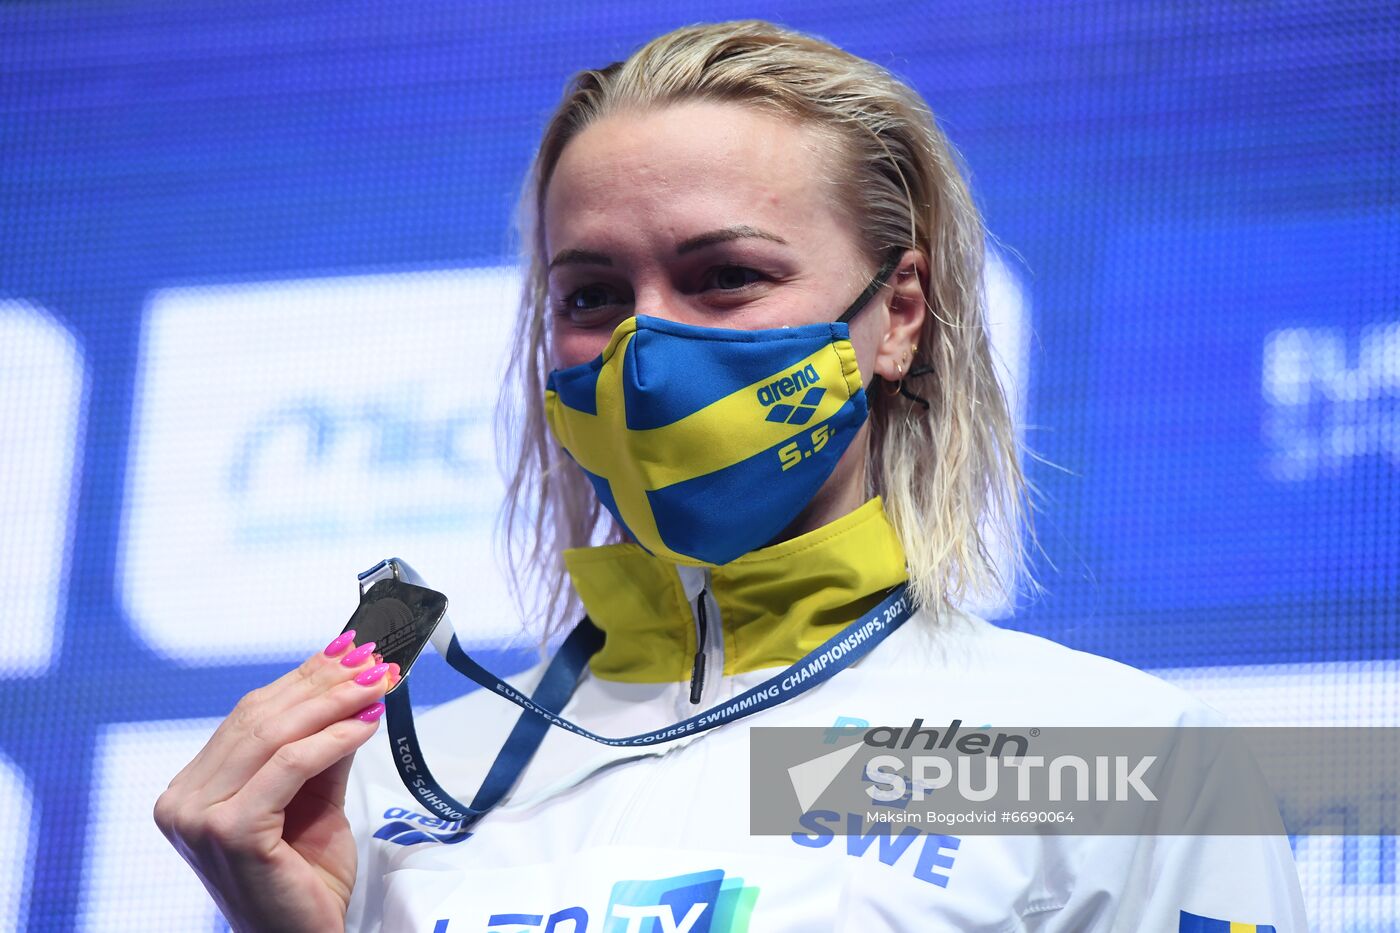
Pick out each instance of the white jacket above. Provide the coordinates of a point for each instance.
(597, 839)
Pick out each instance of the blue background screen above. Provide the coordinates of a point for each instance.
(256, 275)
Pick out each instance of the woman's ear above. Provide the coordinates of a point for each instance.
(906, 308)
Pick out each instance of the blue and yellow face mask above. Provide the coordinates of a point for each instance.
(706, 442)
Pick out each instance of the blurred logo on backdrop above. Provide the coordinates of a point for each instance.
(408, 462)
(288, 435)
(1331, 397)
(42, 371)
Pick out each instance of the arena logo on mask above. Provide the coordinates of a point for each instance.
(788, 386)
(702, 900)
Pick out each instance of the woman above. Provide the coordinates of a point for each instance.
(699, 216)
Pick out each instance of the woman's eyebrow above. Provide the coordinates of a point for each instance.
(735, 232)
(573, 257)
(567, 257)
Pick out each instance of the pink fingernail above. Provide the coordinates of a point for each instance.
(370, 713)
(393, 673)
(357, 657)
(365, 678)
(338, 644)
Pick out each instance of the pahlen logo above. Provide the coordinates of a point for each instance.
(810, 779)
(699, 902)
(407, 828)
(788, 386)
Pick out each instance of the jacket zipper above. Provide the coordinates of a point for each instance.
(697, 670)
(706, 618)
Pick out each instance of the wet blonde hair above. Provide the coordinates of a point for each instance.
(950, 474)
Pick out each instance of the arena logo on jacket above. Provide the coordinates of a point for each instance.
(690, 903)
(406, 828)
(1192, 923)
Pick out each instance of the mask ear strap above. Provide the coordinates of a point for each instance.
(875, 285)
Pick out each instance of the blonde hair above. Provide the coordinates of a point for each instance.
(950, 474)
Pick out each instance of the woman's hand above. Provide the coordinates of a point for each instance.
(259, 814)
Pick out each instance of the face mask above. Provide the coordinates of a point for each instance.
(706, 442)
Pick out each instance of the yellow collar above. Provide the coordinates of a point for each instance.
(776, 604)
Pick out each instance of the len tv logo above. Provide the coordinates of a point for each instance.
(698, 902)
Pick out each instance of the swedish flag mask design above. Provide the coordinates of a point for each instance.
(706, 442)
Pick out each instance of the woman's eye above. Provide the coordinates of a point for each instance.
(589, 298)
(588, 302)
(730, 278)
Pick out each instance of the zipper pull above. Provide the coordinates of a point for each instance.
(697, 670)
